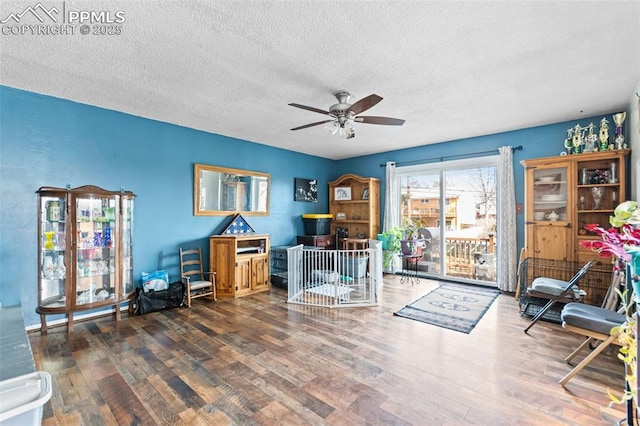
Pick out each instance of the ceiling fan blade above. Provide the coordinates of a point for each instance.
(370, 119)
(308, 108)
(312, 124)
(364, 104)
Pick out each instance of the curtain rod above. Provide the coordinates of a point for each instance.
(426, 160)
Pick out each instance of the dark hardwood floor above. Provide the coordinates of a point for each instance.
(258, 360)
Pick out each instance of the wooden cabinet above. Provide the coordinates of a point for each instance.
(241, 263)
(85, 248)
(567, 192)
(354, 202)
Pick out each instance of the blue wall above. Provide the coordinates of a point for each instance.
(45, 141)
(542, 141)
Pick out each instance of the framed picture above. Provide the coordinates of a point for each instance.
(365, 194)
(306, 190)
(342, 193)
(341, 216)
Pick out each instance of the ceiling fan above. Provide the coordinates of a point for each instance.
(344, 115)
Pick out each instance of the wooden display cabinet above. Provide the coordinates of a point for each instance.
(354, 202)
(241, 264)
(85, 248)
(567, 192)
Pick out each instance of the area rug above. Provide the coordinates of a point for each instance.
(453, 306)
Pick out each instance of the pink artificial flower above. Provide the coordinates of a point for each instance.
(614, 242)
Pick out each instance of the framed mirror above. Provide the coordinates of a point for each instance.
(221, 191)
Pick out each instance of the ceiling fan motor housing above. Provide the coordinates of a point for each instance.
(341, 109)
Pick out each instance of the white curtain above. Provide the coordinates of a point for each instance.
(391, 208)
(507, 243)
(391, 198)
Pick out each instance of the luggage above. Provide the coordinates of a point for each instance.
(152, 300)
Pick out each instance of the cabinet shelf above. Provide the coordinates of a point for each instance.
(351, 201)
(555, 182)
(352, 221)
(608, 211)
(547, 203)
(591, 185)
(55, 301)
(95, 248)
(248, 253)
(105, 274)
(366, 210)
(587, 237)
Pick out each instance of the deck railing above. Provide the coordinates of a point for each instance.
(462, 255)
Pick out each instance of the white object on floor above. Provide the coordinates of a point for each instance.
(330, 290)
(22, 398)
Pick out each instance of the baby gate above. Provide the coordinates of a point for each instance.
(335, 278)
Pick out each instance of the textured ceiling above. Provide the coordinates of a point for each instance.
(451, 69)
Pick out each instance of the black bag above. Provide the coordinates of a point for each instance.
(151, 301)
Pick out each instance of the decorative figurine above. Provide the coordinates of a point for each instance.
(578, 138)
(97, 239)
(567, 142)
(619, 137)
(596, 194)
(48, 243)
(107, 237)
(590, 140)
(604, 134)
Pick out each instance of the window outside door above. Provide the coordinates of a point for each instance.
(454, 207)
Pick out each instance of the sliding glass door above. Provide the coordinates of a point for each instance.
(453, 206)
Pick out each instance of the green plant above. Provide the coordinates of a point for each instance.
(627, 353)
(393, 237)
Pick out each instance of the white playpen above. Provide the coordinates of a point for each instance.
(335, 278)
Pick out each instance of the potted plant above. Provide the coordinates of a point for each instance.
(622, 242)
(409, 242)
(391, 246)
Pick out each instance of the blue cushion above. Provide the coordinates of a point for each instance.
(592, 318)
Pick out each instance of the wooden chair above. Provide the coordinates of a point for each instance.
(191, 272)
(557, 291)
(593, 322)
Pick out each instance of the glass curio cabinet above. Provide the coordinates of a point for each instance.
(85, 250)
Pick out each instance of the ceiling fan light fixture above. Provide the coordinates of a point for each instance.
(347, 130)
(332, 127)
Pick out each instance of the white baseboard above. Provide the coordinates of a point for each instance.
(77, 317)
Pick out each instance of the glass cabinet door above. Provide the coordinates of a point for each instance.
(96, 248)
(127, 246)
(53, 259)
(600, 190)
(550, 194)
